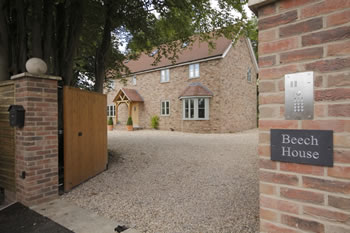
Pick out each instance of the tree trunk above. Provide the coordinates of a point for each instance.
(21, 36)
(48, 33)
(75, 26)
(103, 49)
(59, 40)
(36, 28)
(4, 45)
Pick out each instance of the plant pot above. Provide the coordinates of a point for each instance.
(130, 127)
(110, 127)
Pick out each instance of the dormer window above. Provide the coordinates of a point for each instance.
(164, 76)
(184, 44)
(194, 70)
(154, 52)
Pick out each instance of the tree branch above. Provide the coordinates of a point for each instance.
(75, 26)
(4, 52)
(36, 28)
(48, 33)
(21, 36)
(103, 49)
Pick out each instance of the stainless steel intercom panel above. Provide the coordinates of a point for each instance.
(299, 96)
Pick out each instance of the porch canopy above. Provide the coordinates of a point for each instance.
(127, 96)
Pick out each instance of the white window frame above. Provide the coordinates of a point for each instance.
(249, 75)
(111, 110)
(164, 76)
(166, 108)
(133, 80)
(193, 71)
(195, 115)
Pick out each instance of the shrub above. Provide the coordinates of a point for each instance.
(110, 121)
(129, 122)
(155, 122)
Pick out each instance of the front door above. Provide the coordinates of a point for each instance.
(135, 114)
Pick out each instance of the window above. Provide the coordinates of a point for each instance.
(164, 76)
(195, 108)
(112, 84)
(134, 80)
(165, 108)
(194, 70)
(111, 110)
(184, 44)
(154, 52)
(249, 74)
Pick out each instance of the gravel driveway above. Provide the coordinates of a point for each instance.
(173, 182)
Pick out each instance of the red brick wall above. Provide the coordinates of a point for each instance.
(296, 36)
(37, 141)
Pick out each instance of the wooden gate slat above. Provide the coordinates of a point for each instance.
(84, 156)
(7, 138)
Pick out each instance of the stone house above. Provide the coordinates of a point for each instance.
(207, 90)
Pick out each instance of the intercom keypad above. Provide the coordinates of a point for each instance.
(299, 96)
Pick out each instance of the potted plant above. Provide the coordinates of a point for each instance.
(129, 124)
(110, 124)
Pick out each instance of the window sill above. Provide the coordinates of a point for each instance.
(197, 119)
(193, 77)
(164, 115)
(165, 82)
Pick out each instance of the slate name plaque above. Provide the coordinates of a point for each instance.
(313, 147)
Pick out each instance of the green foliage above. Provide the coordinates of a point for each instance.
(110, 121)
(178, 21)
(129, 122)
(251, 31)
(72, 41)
(155, 122)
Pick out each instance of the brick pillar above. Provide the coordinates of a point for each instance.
(37, 141)
(297, 36)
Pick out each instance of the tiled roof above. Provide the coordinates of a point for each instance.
(132, 95)
(196, 89)
(198, 51)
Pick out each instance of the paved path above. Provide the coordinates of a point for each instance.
(172, 182)
(76, 219)
(17, 218)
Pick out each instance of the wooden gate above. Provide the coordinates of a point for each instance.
(7, 138)
(85, 135)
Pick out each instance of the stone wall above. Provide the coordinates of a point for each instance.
(238, 96)
(226, 78)
(295, 36)
(123, 113)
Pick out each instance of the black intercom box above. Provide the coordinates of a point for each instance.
(16, 115)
